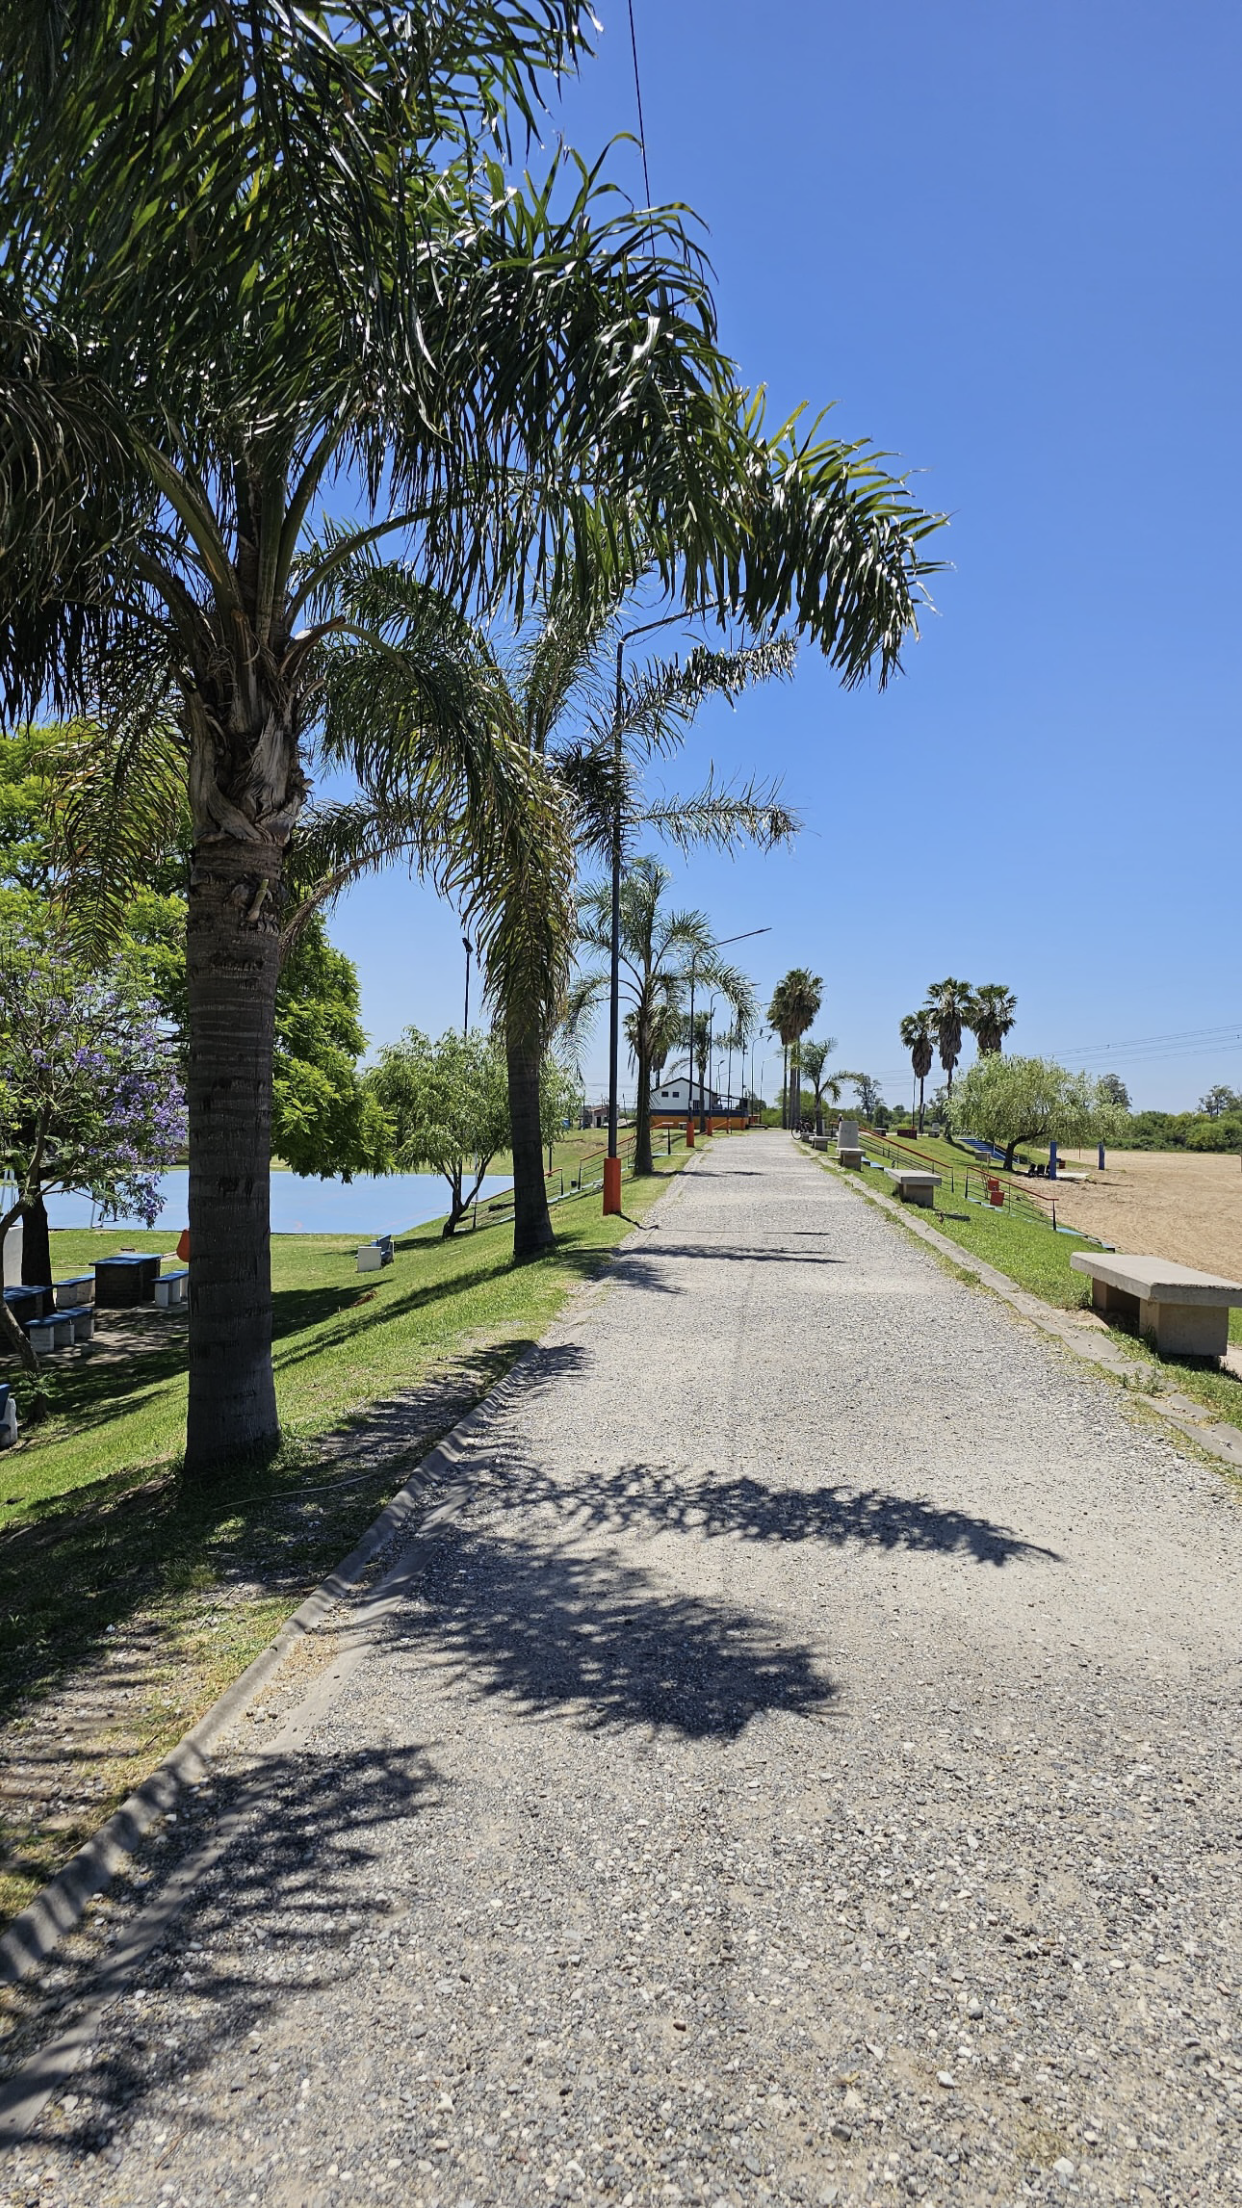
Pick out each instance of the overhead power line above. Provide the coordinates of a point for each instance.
(638, 97)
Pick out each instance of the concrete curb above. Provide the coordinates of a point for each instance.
(59, 1905)
(1215, 1436)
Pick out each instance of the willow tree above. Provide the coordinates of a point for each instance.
(246, 252)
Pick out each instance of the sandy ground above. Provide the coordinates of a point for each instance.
(795, 1766)
(1180, 1204)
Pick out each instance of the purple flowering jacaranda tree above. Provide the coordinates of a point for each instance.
(89, 1094)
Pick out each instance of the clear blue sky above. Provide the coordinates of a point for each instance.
(1004, 240)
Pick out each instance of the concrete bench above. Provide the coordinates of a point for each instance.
(914, 1184)
(55, 1332)
(82, 1318)
(171, 1289)
(28, 1303)
(8, 1416)
(849, 1148)
(1183, 1313)
(71, 1294)
(373, 1255)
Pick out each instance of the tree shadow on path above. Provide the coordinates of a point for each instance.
(665, 1498)
(598, 1639)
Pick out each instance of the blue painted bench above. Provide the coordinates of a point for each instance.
(55, 1332)
(171, 1289)
(8, 1416)
(28, 1303)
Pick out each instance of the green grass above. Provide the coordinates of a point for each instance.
(104, 1550)
(1028, 1251)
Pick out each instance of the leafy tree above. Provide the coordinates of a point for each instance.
(325, 1119)
(1015, 1100)
(446, 1106)
(990, 1014)
(870, 1101)
(1220, 1099)
(657, 946)
(916, 1035)
(1220, 1131)
(89, 1094)
(321, 1122)
(1112, 1086)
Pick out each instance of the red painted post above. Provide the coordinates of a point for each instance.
(689, 1134)
(612, 1185)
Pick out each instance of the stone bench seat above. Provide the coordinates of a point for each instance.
(1182, 1312)
(375, 1254)
(171, 1289)
(71, 1294)
(914, 1184)
(82, 1319)
(55, 1332)
(8, 1416)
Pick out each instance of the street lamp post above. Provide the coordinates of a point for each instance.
(612, 1163)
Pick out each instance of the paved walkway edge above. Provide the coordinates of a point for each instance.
(59, 1905)
(1215, 1436)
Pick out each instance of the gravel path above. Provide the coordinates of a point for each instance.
(799, 1765)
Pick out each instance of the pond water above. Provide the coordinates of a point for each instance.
(370, 1204)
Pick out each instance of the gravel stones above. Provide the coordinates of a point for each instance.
(799, 1770)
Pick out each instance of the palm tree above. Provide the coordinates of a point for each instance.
(795, 1001)
(657, 946)
(916, 1037)
(947, 1008)
(299, 264)
(415, 686)
(664, 1032)
(992, 1011)
(813, 1059)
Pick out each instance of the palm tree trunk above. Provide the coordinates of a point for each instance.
(36, 1246)
(785, 1090)
(232, 967)
(532, 1220)
(920, 1103)
(642, 1118)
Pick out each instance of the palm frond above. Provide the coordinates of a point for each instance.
(719, 817)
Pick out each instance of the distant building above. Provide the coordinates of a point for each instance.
(675, 1099)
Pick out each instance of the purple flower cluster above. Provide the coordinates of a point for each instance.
(89, 1093)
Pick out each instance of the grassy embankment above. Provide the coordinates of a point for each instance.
(127, 1603)
(1029, 1252)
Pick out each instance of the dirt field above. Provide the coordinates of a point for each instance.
(1183, 1204)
